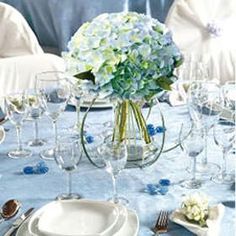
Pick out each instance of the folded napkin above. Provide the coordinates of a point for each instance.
(2, 134)
(178, 95)
(213, 222)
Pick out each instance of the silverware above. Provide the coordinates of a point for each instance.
(161, 223)
(18, 222)
(9, 209)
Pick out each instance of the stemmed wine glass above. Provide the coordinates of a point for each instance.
(205, 105)
(77, 99)
(67, 156)
(224, 136)
(229, 95)
(17, 110)
(114, 155)
(36, 110)
(55, 92)
(191, 140)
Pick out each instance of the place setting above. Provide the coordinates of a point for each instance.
(131, 135)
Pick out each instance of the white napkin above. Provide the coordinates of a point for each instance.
(2, 134)
(213, 222)
(178, 94)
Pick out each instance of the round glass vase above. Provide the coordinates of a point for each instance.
(130, 125)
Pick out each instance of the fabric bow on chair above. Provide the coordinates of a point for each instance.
(204, 30)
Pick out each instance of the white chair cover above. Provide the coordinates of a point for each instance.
(16, 36)
(21, 56)
(18, 73)
(206, 30)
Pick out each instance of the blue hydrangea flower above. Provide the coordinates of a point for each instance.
(124, 55)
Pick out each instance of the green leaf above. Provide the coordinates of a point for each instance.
(179, 62)
(87, 75)
(165, 82)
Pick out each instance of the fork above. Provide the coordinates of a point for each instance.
(161, 223)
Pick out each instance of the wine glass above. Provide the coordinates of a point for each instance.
(224, 136)
(77, 99)
(229, 95)
(67, 155)
(205, 106)
(55, 92)
(114, 155)
(35, 112)
(191, 140)
(17, 109)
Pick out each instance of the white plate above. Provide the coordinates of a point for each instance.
(130, 228)
(99, 103)
(2, 134)
(60, 217)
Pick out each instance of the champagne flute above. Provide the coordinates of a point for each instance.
(114, 155)
(17, 110)
(224, 136)
(36, 110)
(191, 140)
(67, 156)
(55, 92)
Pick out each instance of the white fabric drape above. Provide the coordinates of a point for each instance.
(16, 36)
(206, 29)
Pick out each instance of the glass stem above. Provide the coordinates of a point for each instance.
(18, 133)
(223, 167)
(193, 169)
(204, 159)
(69, 183)
(36, 134)
(78, 103)
(55, 130)
(115, 195)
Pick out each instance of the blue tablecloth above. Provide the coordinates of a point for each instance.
(55, 21)
(37, 190)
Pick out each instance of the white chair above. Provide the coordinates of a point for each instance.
(205, 30)
(21, 56)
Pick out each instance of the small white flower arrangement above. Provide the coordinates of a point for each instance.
(195, 208)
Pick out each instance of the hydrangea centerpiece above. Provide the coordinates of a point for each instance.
(127, 57)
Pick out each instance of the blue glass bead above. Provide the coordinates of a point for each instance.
(151, 189)
(163, 190)
(151, 129)
(28, 170)
(42, 170)
(41, 164)
(164, 182)
(89, 139)
(160, 129)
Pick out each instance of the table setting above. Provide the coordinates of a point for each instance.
(138, 167)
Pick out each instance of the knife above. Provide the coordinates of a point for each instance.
(18, 222)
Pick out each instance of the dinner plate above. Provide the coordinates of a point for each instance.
(99, 103)
(129, 228)
(2, 134)
(76, 217)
